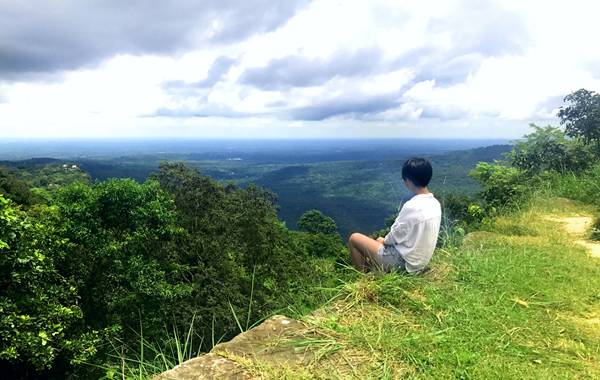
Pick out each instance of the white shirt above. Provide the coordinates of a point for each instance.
(415, 232)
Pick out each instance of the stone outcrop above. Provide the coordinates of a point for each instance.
(270, 341)
(206, 367)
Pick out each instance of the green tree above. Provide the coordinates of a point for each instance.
(15, 189)
(503, 186)
(121, 256)
(581, 117)
(547, 148)
(236, 249)
(39, 307)
(314, 221)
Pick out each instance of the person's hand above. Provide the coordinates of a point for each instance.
(380, 239)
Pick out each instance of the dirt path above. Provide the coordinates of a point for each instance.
(578, 226)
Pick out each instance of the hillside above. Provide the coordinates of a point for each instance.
(520, 300)
(358, 189)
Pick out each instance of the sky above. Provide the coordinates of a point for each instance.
(292, 68)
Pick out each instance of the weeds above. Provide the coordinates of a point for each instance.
(152, 356)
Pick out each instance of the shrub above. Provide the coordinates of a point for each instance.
(503, 186)
(547, 148)
(39, 307)
(583, 186)
(314, 221)
(231, 233)
(122, 237)
(15, 189)
(323, 245)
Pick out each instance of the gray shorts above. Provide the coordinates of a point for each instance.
(388, 259)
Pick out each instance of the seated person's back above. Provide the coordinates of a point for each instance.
(412, 238)
(414, 233)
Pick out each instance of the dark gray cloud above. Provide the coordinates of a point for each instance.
(299, 71)
(44, 37)
(356, 106)
(218, 69)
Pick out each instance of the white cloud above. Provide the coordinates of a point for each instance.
(428, 69)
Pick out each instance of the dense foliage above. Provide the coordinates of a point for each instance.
(314, 221)
(15, 189)
(549, 158)
(39, 308)
(581, 117)
(547, 148)
(85, 270)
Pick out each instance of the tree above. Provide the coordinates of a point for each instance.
(39, 307)
(121, 255)
(236, 249)
(314, 221)
(547, 148)
(581, 117)
(503, 186)
(15, 189)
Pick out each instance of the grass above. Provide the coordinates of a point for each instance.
(518, 301)
(152, 357)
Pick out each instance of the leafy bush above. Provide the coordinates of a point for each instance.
(101, 260)
(314, 221)
(15, 189)
(322, 245)
(583, 186)
(122, 236)
(232, 233)
(39, 307)
(503, 186)
(581, 116)
(547, 148)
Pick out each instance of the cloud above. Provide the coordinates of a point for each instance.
(45, 37)
(201, 112)
(300, 71)
(443, 112)
(483, 27)
(219, 68)
(470, 34)
(357, 106)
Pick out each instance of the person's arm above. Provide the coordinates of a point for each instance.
(397, 234)
(400, 229)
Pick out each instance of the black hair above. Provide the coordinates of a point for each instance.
(418, 171)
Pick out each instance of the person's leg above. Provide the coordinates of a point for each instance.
(363, 251)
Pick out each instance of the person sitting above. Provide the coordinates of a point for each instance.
(412, 238)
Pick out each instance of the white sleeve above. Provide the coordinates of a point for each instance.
(400, 229)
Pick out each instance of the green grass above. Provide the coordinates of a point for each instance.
(152, 356)
(518, 301)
